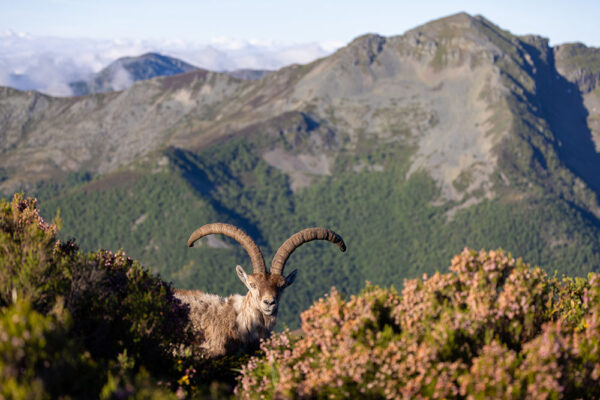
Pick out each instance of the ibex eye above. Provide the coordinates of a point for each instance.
(253, 286)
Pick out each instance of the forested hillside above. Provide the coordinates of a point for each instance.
(391, 228)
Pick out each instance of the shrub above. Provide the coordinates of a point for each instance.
(117, 306)
(492, 327)
(29, 265)
(38, 358)
(80, 324)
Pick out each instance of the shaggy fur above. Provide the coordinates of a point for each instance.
(227, 325)
(236, 323)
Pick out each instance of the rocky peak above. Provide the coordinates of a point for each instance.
(579, 64)
(365, 48)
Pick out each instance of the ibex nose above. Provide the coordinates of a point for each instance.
(269, 302)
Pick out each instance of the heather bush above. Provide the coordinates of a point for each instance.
(492, 327)
(38, 359)
(83, 325)
(114, 302)
(117, 305)
(29, 264)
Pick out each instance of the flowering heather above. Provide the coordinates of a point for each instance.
(492, 327)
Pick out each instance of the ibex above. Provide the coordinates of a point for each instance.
(237, 323)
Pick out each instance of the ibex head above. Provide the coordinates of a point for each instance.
(266, 287)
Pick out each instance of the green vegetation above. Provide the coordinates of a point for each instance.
(390, 224)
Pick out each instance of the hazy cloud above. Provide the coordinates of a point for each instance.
(121, 79)
(48, 64)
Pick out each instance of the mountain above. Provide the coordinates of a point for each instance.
(456, 133)
(122, 73)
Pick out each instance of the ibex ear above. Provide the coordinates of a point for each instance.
(242, 275)
(290, 278)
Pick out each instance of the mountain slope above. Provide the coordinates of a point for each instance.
(45, 136)
(456, 133)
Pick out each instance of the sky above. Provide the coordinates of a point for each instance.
(287, 21)
(44, 44)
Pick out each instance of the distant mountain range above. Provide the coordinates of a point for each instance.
(456, 133)
(122, 73)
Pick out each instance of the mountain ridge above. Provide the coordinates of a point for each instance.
(190, 102)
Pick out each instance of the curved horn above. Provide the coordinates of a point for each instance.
(297, 239)
(258, 261)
